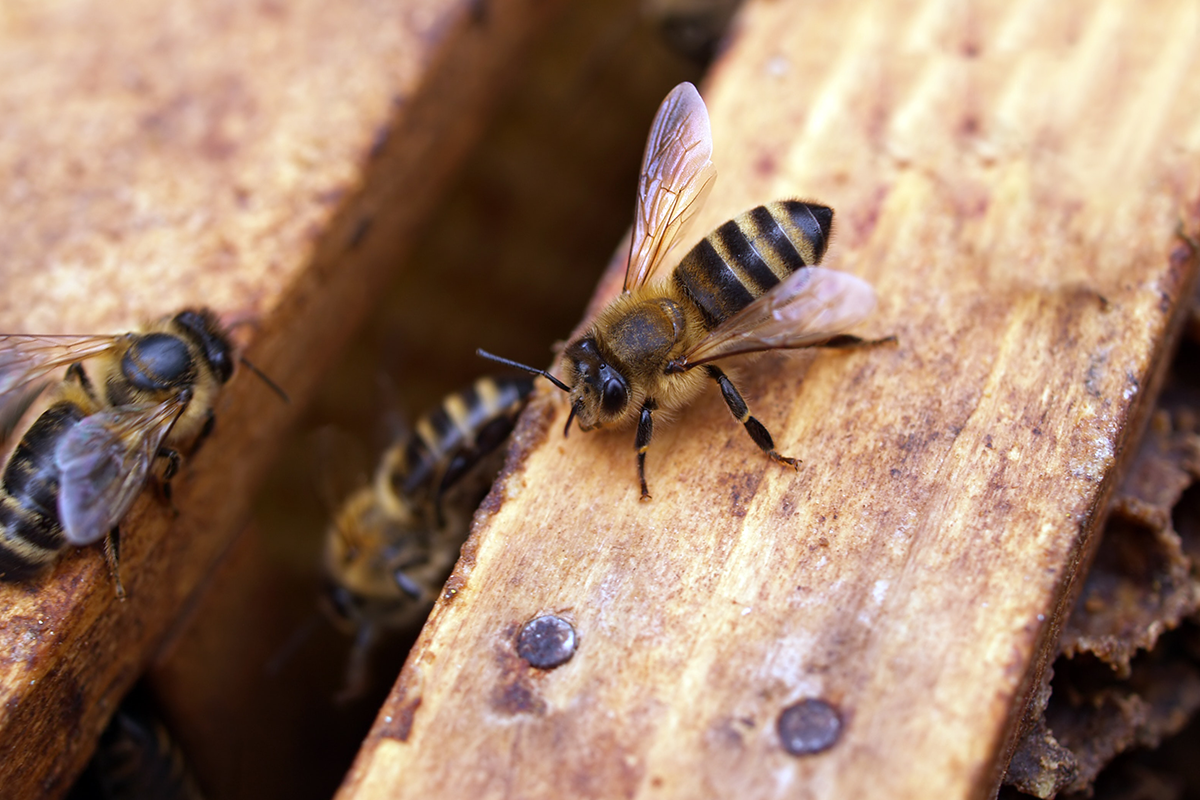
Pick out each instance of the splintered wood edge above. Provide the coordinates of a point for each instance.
(332, 213)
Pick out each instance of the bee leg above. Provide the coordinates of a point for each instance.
(169, 472)
(112, 555)
(846, 342)
(75, 373)
(737, 406)
(358, 666)
(645, 430)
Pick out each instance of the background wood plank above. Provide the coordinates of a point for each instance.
(1011, 179)
(272, 161)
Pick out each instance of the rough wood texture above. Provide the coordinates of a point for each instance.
(524, 230)
(1011, 180)
(272, 161)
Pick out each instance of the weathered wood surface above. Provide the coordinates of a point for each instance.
(272, 161)
(1011, 179)
(544, 192)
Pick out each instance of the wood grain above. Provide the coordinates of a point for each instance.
(272, 161)
(1011, 178)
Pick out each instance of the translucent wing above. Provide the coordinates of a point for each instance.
(811, 306)
(104, 461)
(677, 172)
(26, 363)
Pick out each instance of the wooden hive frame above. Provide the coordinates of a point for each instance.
(1014, 181)
(1011, 183)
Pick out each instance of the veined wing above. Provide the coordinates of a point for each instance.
(26, 363)
(811, 306)
(677, 173)
(104, 461)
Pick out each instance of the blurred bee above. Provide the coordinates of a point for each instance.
(394, 543)
(137, 758)
(749, 286)
(79, 467)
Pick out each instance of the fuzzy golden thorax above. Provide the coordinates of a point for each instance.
(621, 360)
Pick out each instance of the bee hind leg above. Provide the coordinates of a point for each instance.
(112, 556)
(741, 412)
(645, 430)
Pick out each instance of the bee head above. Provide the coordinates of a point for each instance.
(203, 328)
(599, 393)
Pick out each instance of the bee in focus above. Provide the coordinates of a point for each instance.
(751, 285)
(393, 543)
(79, 467)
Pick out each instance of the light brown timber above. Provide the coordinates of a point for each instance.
(1011, 178)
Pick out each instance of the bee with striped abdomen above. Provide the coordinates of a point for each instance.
(751, 285)
(393, 543)
(137, 758)
(83, 462)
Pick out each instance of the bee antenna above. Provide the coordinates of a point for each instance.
(265, 379)
(485, 354)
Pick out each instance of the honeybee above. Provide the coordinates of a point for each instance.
(79, 467)
(393, 543)
(137, 757)
(751, 285)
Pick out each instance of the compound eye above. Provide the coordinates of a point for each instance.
(615, 396)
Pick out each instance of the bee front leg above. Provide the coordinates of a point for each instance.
(169, 472)
(737, 406)
(645, 430)
(112, 556)
(358, 667)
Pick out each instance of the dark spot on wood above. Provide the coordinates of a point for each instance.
(478, 12)
(359, 235)
(518, 697)
(331, 196)
(379, 142)
(766, 165)
(397, 716)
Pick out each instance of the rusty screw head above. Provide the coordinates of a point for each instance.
(808, 727)
(546, 642)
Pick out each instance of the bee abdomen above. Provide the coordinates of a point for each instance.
(467, 426)
(30, 529)
(750, 254)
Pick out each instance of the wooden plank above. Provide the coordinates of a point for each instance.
(513, 251)
(1011, 179)
(271, 161)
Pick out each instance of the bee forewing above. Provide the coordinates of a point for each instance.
(26, 361)
(812, 305)
(677, 173)
(104, 462)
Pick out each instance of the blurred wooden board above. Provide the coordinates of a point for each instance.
(1011, 179)
(272, 161)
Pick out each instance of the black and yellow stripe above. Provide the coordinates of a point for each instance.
(749, 255)
(30, 529)
(468, 425)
